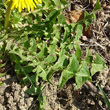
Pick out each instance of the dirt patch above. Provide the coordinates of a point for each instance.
(13, 96)
(70, 99)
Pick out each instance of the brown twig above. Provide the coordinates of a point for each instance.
(90, 86)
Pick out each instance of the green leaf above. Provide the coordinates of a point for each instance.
(83, 75)
(20, 54)
(2, 65)
(33, 45)
(73, 65)
(66, 33)
(1, 26)
(2, 74)
(1, 2)
(57, 2)
(87, 20)
(34, 78)
(50, 72)
(97, 65)
(99, 60)
(16, 19)
(61, 19)
(86, 14)
(26, 43)
(78, 31)
(24, 80)
(40, 70)
(78, 52)
(1, 84)
(43, 52)
(3, 37)
(97, 7)
(8, 46)
(64, 2)
(56, 33)
(20, 70)
(43, 73)
(33, 90)
(70, 71)
(41, 100)
(107, 102)
(84, 71)
(52, 55)
(96, 68)
(61, 59)
(80, 81)
(38, 91)
(26, 68)
(89, 57)
(52, 16)
(73, 25)
(65, 76)
(47, 3)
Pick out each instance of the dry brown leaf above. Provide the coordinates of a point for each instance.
(75, 16)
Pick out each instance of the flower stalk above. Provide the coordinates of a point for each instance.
(8, 12)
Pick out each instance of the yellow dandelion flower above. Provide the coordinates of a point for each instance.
(21, 4)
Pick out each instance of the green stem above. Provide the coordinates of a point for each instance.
(8, 12)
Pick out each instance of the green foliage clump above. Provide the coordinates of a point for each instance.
(40, 43)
